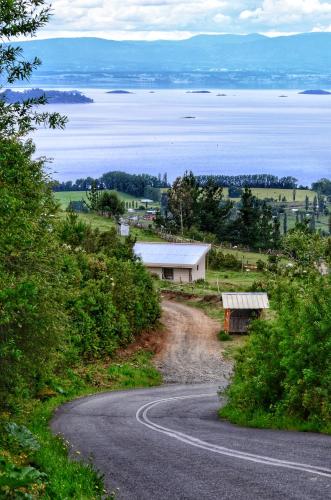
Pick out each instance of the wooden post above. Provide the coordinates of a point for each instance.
(227, 320)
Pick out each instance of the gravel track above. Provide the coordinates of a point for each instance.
(191, 353)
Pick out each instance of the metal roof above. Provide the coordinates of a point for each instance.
(245, 301)
(171, 254)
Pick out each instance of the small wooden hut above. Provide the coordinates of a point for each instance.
(241, 308)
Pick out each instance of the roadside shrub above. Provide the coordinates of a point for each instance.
(260, 265)
(113, 302)
(235, 192)
(32, 285)
(224, 336)
(284, 369)
(218, 260)
(20, 481)
(197, 235)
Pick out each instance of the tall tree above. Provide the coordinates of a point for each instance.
(276, 235)
(110, 204)
(183, 201)
(246, 227)
(212, 210)
(315, 204)
(306, 203)
(285, 223)
(93, 195)
(265, 227)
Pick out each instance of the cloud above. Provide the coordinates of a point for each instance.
(146, 19)
(135, 14)
(287, 12)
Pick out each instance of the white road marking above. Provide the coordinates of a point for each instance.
(142, 418)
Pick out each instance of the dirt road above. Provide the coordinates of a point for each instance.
(191, 352)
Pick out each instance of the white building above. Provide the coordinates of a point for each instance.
(180, 262)
(123, 228)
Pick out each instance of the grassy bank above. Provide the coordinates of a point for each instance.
(51, 474)
(264, 420)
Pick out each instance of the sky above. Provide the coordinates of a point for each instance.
(178, 19)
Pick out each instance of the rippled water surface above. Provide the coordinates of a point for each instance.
(240, 132)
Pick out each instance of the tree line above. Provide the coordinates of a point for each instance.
(134, 184)
(138, 184)
(200, 211)
(250, 180)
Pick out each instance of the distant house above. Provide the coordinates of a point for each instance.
(241, 308)
(123, 229)
(179, 262)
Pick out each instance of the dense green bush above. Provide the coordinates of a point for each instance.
(66, 290)
(285, 368)
(32, 284)
(217, 260)
(113, 303)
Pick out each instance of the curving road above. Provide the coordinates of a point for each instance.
(167, 443)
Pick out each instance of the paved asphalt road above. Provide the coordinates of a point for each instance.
(167, 443)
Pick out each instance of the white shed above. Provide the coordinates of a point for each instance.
(180, 262)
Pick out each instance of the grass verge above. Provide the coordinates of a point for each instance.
(46, 471)
(262, 420)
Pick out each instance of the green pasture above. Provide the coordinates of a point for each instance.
(274, 193)
(263, 193)
(247, 258)
(216, 283)
(65, 197)
(105, 224)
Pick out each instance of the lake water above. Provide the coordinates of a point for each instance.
(242, 132)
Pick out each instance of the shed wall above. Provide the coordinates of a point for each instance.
(182, 275)
(199, 271)
(155, 270)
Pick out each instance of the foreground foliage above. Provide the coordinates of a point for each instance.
(33, 462)
(283, 374)
(69, 295)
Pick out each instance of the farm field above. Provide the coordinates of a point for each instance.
(216, 282)
(105, 224)
(288, 193)
(64, 197)
(249, 258)
(321, 223)
(263, 193)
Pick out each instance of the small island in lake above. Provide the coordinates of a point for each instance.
(52, 96)
(315, 92)
(119, 92)
(198, 92)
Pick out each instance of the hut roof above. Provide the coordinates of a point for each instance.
(170, 254)
(245, 301)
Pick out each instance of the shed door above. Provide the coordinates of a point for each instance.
(168, 273)
(240, 319)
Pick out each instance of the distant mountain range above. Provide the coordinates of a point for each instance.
(249, 61)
